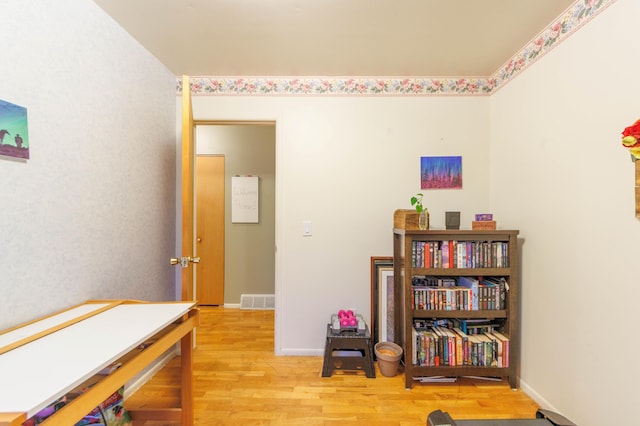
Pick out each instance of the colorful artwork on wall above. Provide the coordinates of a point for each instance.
(441, 172)
(14, 140)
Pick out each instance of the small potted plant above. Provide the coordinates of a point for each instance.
(423, 213)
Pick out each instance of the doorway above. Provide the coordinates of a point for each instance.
(249, 248)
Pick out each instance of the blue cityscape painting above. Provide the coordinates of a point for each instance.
(441, 172)
(14, 139)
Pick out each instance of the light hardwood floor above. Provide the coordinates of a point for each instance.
(239, 381)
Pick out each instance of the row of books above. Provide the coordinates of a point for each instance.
(459, 293)
(442, 346)
(467, 325)
(460, 254)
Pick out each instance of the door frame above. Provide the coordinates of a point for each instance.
(270, 121)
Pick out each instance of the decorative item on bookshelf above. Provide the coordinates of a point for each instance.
(405, 219)
(483, 224)
(452, 220)
(484, 221)
(631, 140)
(423, 219)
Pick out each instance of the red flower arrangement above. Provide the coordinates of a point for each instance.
(631, 139)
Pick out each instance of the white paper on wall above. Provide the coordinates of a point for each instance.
(244, 199)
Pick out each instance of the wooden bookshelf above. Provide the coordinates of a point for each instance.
(503, 314)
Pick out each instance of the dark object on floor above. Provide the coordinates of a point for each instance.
(348, 350)
(543, 418)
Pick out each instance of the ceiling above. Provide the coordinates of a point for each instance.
(472, 38)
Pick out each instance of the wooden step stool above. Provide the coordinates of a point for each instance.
(348, 350)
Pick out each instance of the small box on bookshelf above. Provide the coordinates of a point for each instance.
(406, 219)
(483, 225)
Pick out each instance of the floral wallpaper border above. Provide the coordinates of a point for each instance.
(573, 18)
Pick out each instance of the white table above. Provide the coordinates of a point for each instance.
(43, 360)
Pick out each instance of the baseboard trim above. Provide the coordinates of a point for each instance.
(539, 399)
(300, 352)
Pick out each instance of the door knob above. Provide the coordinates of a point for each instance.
(184, 261)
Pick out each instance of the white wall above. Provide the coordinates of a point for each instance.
(560, 175)
(346, 164)
(92, 213)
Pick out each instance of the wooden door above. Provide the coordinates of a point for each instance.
(210, 229)
(188, 180)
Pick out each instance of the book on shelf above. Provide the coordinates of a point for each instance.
(488, 350)
(460, 254)
(505, 347)
(416, 344)
(481, 326)
(431, 349)
(458, 293)
(427, 323)
(458, 342)
(451, 347)
(433, 281)
(441, 357)
(445, 344)
(475, 325)
(501, 287)
(439, 298)
(473, 350)
(498, 349)
(435, 379)
(424, 346)
(472, 284)
(464, 345)
(444, 248)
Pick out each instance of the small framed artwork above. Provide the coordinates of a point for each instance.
(379, 264)
(386, 312)
(14, 140)
(441, 172)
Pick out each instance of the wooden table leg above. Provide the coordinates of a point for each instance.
(186, 354)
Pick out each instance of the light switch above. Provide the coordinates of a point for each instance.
(306, 228)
